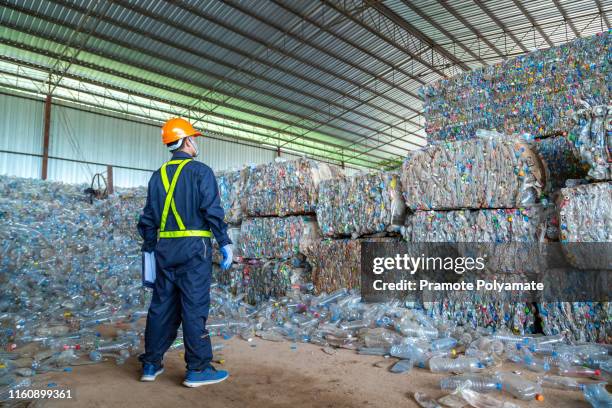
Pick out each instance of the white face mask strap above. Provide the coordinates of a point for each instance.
(195, 146)
(176, 145)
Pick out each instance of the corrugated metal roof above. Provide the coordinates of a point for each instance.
(331, 74)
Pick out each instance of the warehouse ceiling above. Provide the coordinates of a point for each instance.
(335, 80)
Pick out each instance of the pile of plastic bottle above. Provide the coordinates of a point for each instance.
(488, 172)
(534, 93)
(476, 358)
(276, 237)
(66, 266)
(359, 205)
(286, 187)
(70, 267)
(585, 216)
(231, 190)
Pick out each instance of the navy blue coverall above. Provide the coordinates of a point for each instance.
(184, 265)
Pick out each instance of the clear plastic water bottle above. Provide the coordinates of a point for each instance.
(520, 387)
(413, 329)
(479, 400)
(576, 371)
(373, 351)
(536, 364)
(597, 395)
(446, 343)
(114, 346)
(425, 401)
(560, 383)
(95, 356)
(479, 383)
(402, 366)
(457, 365)
(409, 351)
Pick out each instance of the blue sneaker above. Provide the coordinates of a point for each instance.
(150, 372)
(207, 376)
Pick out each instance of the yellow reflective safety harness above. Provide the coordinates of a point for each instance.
(169, 203)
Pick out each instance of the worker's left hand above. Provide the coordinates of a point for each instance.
(227, 257)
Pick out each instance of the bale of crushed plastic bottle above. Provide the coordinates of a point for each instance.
(285, 187)
(336, 263)
(231, 191)
(259, 280)
(580, 321)
(532, 93)
(592, 136)
(273, 279)
(585, 218)
(360, 205)
(487, 172)
(276, 237)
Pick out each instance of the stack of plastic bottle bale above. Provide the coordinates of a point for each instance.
(367, 206)
(552, 107)
(476, 191)
(231, 191)
(67, 266)
(280, 200)
(585, 216)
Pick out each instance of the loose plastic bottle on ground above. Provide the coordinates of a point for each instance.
(479, 383)
(414, 352)
(114, 346)
(598, 396)
(373, 351)
(479, 400)
(536, 364)
(452, 401)
(402, 366)
(520, 387)
(560, 383)
(488, 345)
(413, 329)
(446, 343)
(425, 401)
(457, 365)
(576, 371)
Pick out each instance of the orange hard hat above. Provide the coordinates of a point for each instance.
(177, 128)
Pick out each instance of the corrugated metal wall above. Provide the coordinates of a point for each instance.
(88, 136)
(21, 129)
(91, 136)
(221, 155)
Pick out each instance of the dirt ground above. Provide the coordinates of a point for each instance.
(265, 374)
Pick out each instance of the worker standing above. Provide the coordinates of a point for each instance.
(181, 215)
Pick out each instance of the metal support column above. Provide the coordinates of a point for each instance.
(109, 179)
(46, 128)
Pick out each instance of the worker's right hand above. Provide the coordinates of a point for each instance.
(227, 257)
